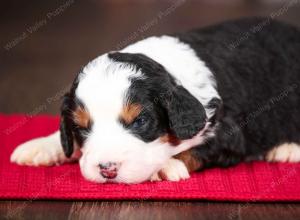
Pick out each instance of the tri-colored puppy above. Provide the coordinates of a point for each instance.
(167, 106)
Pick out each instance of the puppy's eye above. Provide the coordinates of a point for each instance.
(139, 122)
(83, 129)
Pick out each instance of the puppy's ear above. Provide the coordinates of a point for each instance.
(186, 114)
(66, 125)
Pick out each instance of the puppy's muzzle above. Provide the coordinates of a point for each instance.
(109, 170)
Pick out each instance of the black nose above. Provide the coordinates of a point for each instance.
(109, 170)
(106, 165)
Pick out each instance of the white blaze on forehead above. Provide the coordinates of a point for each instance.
(103, 85)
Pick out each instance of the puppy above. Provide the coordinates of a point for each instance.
(167, 106)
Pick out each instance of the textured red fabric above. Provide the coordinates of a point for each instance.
(257, 181)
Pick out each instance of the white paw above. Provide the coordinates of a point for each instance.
(155, 177)
(38, 152)
(174, 170)
(284, 153)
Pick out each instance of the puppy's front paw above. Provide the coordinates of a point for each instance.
(174, 170)
(38, 152)
(288, 152)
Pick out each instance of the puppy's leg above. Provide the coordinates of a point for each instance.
(173, 170)
(178, 168)
(288, 152)
(45, 151)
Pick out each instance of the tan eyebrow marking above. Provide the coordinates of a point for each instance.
(130, 112)
(81, 117)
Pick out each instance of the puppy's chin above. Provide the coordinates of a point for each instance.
(130, 173)
(90, 171)
(125, 175)
(135, 173)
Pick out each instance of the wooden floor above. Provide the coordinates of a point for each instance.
(146, 210)
(43, 44)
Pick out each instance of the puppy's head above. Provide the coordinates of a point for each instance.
(127, 114)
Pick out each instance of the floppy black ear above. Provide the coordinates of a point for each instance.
(66, 125)
(186, 114)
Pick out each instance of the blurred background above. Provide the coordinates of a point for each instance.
(43, 44)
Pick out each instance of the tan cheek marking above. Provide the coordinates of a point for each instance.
(190, 162)
(81, 117)
(171, 139)
(130, 112)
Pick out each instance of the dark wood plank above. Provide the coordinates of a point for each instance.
(182, 210)
(34, 210)
(146, 210)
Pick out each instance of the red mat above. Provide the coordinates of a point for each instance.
(258, 181)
